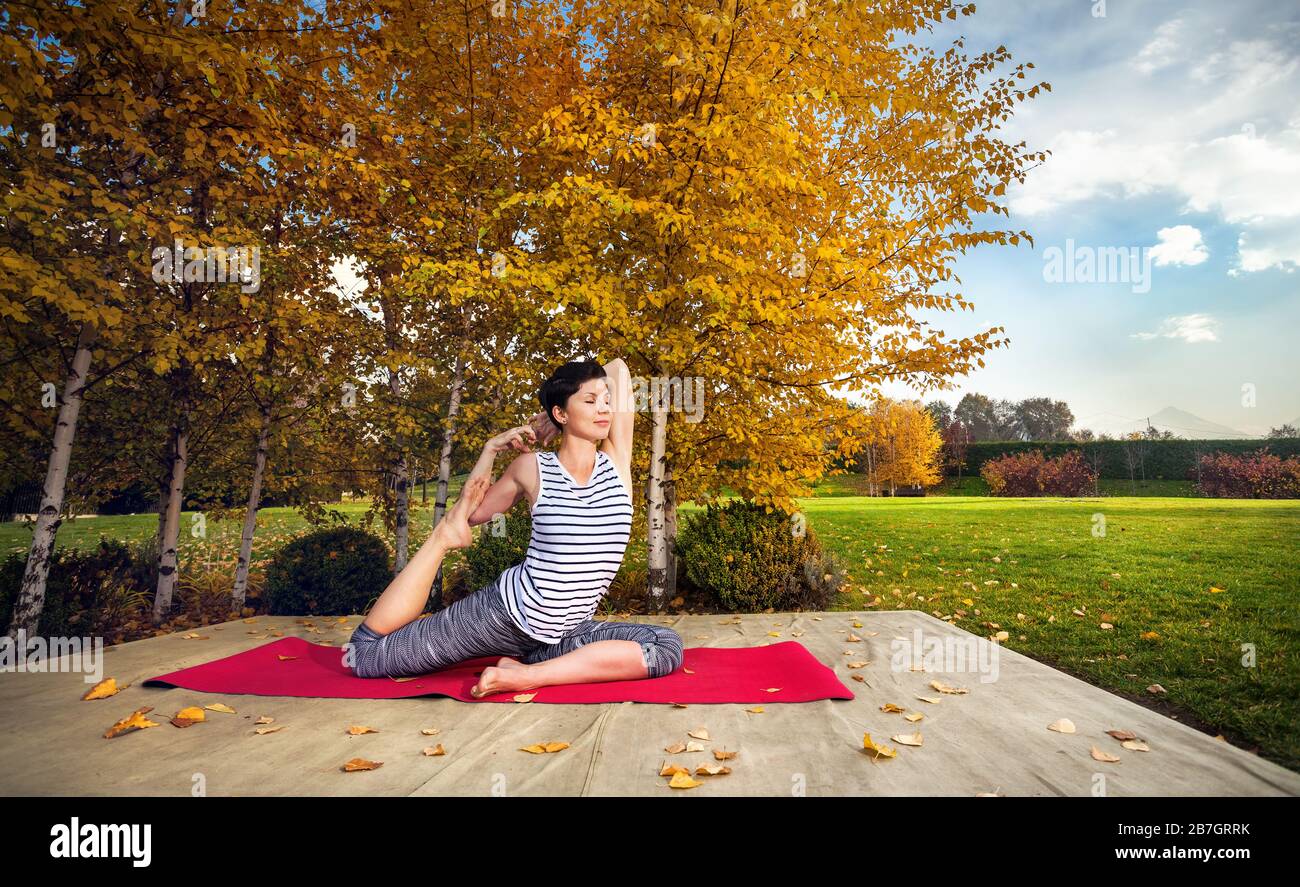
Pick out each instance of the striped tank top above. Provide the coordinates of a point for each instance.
(577, 543)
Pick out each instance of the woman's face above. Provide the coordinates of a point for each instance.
(589, 412)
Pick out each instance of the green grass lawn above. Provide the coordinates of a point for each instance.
(1027, 564)
(1153, 571)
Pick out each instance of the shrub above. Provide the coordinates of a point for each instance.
(1067, 475)
(204, 593)
(86, 592)
(1031, 474)
(502, 543)
(1259, 475)
(334, 572)
(749, 559)
(1015, 474)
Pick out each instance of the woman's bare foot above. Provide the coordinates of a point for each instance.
(454, 530)
(500, 680)
(507, 662)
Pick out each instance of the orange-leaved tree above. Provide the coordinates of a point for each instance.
(757, 202)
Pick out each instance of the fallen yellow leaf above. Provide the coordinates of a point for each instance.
(362, 764)
(879, 750)
(187, 716)
(682, 779)
(104, 689)
(712, 770)
(136, 720)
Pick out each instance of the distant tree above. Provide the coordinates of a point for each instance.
(1082, 435)
(1006, 420)
(1135, 453)
(1041, 418)
(979, 414)
(941, 413)
(1154, 433)
(1287, 430)
(903, 447)
(956, 440)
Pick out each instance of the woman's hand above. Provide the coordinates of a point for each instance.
(517, 438)
(543, 428)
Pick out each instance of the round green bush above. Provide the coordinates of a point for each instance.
(334, 572)
(748, 559)
(501, 543)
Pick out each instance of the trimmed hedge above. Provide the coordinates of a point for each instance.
(1165, 459)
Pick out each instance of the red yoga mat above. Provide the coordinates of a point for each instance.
(707, 675)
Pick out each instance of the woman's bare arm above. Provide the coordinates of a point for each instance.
(618, 444)
(501, 496)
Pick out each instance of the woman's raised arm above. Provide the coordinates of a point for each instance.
(618, 444)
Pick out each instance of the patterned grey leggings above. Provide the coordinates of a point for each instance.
(480, 625)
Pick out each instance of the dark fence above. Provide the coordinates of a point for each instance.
(16, 502)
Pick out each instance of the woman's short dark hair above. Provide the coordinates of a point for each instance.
(564, 383)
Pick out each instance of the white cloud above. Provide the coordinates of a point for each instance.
(1191, 328)
(1162, 49)
(1228, 145)
(1251, 64)
(1179, 245)
(1275, 246)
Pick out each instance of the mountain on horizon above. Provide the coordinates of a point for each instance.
(1185, 424)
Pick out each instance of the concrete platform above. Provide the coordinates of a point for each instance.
(994, 738)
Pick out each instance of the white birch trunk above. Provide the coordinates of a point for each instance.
(167, 560)
(656, 519)
(250, 515)
(31, 597)
(444, 462)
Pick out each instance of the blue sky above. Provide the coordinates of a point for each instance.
(1175, 127)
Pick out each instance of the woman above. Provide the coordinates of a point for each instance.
(539, 610)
